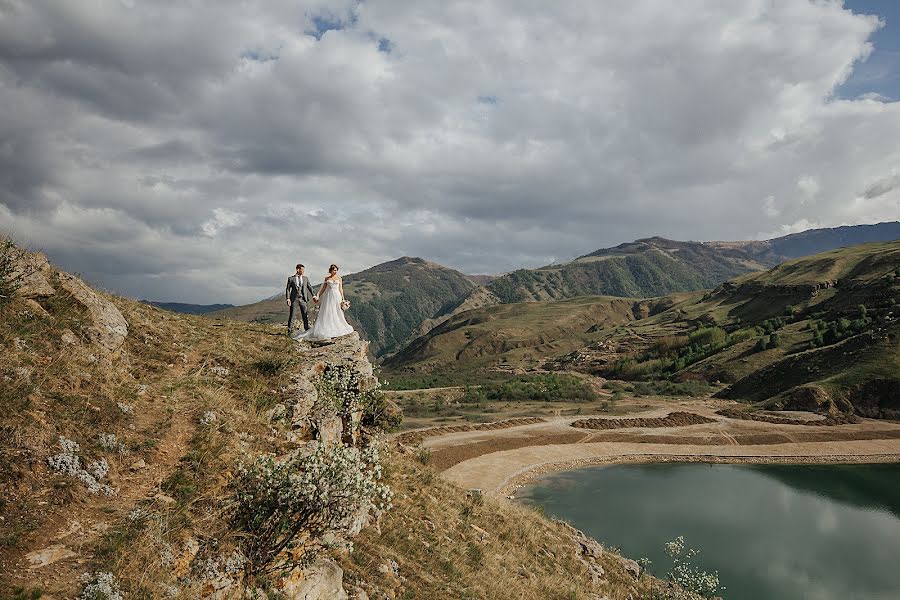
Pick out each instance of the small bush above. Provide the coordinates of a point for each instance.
(100, 586)
(11, 270)
(282, 505)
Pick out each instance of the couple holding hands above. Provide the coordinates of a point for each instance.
(330, 322)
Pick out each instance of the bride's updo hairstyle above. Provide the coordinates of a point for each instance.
(333, 269)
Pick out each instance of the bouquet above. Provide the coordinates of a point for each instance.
(345, 304)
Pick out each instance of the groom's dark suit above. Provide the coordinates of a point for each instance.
(299, 292)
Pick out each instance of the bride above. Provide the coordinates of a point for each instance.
(330, 323)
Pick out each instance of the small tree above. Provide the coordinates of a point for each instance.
(774, 341)
(760, 345)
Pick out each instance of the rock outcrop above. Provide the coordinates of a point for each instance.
(323, 580)
(109, 328)
(35, 272)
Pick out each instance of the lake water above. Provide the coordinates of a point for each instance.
(773, 532)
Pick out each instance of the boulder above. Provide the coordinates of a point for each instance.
(34, 268)
(109, 327)
(631, 567)
(329, 429)
(323, 580)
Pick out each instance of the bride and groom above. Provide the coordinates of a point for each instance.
(330, 322)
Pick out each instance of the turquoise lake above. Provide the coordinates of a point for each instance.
(773, 532)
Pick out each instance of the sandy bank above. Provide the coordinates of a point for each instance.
(503, 472)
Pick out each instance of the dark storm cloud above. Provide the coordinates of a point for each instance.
(882, 187)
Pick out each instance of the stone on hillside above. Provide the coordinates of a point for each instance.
(68, 337)
(182, 564)
(358, 593)
(324, 580)
(329, 429)
(591, 548)
(36, 270)
(109, 327)
(302, 396)
(631, 567)
(48, 556)
(36, 309)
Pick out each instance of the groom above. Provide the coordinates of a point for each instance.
(297, 293)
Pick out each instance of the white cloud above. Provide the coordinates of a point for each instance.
(221, 142)
(770, 207)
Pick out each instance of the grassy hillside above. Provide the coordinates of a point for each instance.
(388, 302)
(120, 460)
(511, 334)
(818, 332)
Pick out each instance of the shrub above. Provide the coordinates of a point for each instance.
(760, 345)
(340, 385)
(473, 395)
(69, 463)
(687, 576)
(284, 505)
(100, 586)
(774, 341)
(547, 387)
(12, 272)
(705, 336)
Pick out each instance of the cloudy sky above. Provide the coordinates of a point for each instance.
(194, 151)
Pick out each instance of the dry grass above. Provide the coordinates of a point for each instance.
(164, 372)
(450, 544)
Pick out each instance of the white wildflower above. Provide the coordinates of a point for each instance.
(100, 586)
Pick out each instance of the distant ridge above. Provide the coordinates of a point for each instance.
(188, 309)
(814, 241)
(396, 301)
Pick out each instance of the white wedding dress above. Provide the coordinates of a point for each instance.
(330, 322)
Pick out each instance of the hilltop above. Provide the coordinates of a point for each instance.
(815, 333)
(139, 449)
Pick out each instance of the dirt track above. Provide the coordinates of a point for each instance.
(497, 461)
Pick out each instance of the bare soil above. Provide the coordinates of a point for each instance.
(497, 460)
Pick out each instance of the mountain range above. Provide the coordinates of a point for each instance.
(395, 302)
(817, 333)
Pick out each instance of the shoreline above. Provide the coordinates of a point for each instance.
(513, 483)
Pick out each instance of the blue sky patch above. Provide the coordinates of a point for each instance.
(880, 74)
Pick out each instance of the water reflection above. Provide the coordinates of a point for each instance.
(772, 531)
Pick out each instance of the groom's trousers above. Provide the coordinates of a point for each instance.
(304, 313)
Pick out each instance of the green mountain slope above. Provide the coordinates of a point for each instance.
(645, 268)
(388, 302)
(820, 332)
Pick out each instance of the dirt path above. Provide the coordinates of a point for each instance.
(58, 559)
(498, 461)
